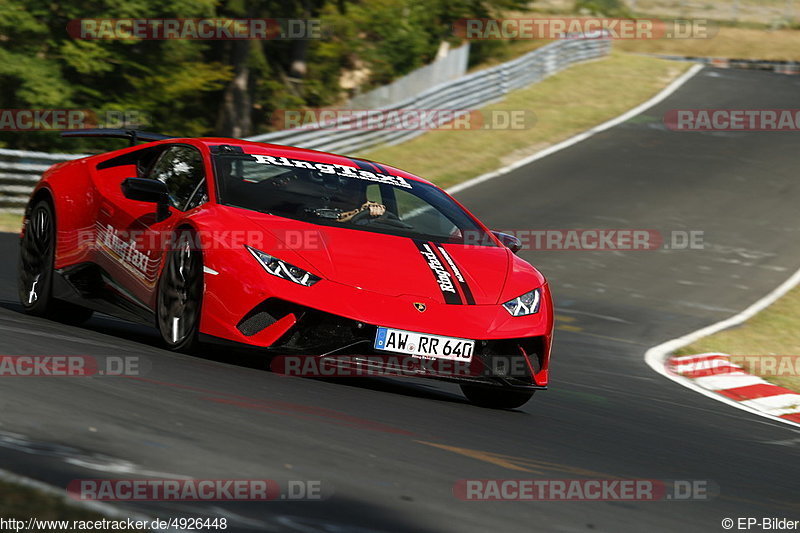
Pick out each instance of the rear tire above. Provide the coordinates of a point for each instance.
(180, 295)
(496, 398)
(35, 269)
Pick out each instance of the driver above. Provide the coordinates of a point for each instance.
(340, 199)
(354, 194)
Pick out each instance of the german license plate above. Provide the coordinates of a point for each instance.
(423, 344)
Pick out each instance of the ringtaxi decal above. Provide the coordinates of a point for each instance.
(442, 275)
(345, 171)
(126, 251)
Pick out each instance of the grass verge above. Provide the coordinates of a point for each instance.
(10, 222)
(22, 502)
(773, 331)
(733, 43)
(738, 12)
(568, 103)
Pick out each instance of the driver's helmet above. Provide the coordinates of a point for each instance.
(351, 194)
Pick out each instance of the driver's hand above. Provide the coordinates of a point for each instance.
(375, 209)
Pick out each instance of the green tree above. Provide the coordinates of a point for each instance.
(194, 87)
(42, 66)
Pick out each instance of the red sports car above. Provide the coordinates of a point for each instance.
(292, 251)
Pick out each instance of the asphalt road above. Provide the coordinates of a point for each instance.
(391, 450)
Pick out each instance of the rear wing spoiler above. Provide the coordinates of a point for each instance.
(132, 135)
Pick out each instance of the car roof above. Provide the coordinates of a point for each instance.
(291, 152)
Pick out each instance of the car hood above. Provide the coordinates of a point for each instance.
(392, 265)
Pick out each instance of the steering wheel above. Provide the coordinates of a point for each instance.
(360, 216)
(389, 219)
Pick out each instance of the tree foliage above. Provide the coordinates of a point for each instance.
(196, 87)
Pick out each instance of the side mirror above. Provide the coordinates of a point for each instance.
(509, 241)
(148, 190)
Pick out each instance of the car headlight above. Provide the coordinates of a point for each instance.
(284, 270)
(524, 305)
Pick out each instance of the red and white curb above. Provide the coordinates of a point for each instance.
(715, 372)
(657, 357)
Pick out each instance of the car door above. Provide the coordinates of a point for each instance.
(180, 167)
(133, 239)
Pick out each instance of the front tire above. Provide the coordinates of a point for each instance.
(496, 398)
(35, 269)
(180, 295)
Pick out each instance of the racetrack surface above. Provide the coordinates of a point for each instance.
(390, 448)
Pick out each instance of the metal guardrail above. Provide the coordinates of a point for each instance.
(20, 170)
(466, 93)
(444, 69)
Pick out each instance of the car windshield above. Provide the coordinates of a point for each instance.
(356, 197)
